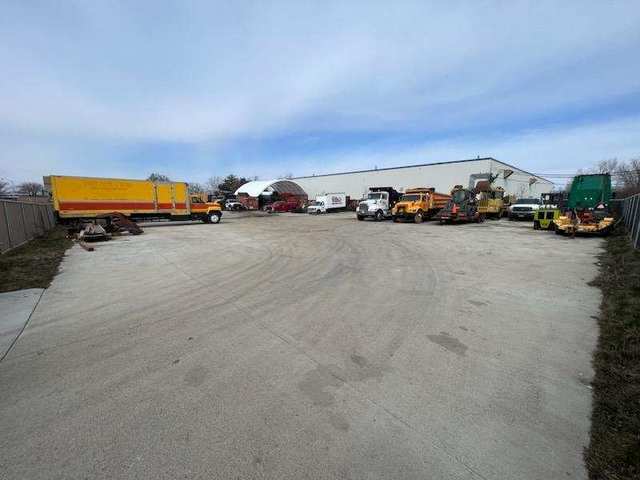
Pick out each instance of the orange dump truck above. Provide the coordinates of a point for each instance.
(87, 197)
(417, 204)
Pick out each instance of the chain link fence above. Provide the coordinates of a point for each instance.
(23, 221)
(629, 212)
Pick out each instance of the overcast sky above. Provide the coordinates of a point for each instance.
(195, 89)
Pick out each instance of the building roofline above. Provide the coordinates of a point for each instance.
(420, 165)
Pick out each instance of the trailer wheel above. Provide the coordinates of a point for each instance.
(417, 218)
(213, 217)
(379, 216)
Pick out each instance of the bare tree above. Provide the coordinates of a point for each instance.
(628, 176)
(158, 177)
(4, 186)
(196, 187)
(610, 166)
(30, 188)
(213, 183)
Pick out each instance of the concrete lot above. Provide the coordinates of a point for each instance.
(15, 309)
(294, 347)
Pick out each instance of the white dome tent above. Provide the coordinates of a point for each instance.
(257, 194)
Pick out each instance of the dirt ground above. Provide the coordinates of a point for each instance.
(295, 346)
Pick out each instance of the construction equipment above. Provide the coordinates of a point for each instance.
(378, 204)
(78, 198)
(551, 205)
(461, 207)
(417, 204)
(508, 200)
(587, 211)
(491, 202)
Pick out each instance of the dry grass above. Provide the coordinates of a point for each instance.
(614, 450)
(34, 264)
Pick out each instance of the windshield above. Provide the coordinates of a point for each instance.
(374, 196)
(410, 198)
(316, 204)
(528, 201)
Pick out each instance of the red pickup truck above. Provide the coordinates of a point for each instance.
(282, 206)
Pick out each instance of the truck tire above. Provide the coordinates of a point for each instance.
(213, 217)
(418, 217)
(536, 225)
(379, 216)
(360, 217)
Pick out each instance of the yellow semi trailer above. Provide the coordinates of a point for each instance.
(88, 198)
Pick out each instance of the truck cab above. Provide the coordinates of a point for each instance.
(413, 205)
(208, 212)
(378, 204)
(317, 206)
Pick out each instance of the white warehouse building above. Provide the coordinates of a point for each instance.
(441, 175)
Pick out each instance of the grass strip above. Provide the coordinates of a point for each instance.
(34, 264)
(614, 449)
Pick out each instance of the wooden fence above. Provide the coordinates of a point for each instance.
(23, 221)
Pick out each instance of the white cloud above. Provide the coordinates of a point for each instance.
(82, 79)
(550, 150)
(206, 72)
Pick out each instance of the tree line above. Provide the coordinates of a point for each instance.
(214, 184)
(32, 189)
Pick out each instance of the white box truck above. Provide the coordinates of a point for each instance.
(327, 202)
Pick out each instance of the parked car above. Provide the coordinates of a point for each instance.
(282, 206)
(524, 209)
(233, 204)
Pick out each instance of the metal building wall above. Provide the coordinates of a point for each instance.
(442, 176)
